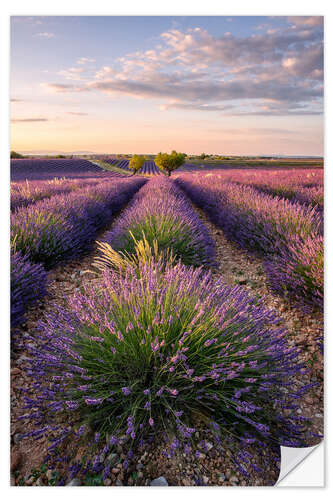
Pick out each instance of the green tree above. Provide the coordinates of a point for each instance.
(170, 162)
(136, 162)
(13, 154)
(202, 156)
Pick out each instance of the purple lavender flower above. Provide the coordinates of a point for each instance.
(93, 402)
(72, 405)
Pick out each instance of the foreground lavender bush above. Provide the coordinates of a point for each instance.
(160, 211)
(288, 234)
(159, 357)
(27, 285)
(64, 225)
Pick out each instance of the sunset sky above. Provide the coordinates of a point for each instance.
(229, 85)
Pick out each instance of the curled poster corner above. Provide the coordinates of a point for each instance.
(302, 466)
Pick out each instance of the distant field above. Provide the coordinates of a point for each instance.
(43, 169)
(254, 163)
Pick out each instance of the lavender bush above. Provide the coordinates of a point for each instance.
(160, 211)
(160, 356)
(27, 285)
(298, 270)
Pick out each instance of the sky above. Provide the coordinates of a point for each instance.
(220, 85)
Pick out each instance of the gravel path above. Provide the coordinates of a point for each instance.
(213, 467)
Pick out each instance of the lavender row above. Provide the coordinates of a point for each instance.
(123, 164)
(313, 196)
(38, 168)
(162, 212)
(27, 286)
(280, 230)
(26, 193)
(303, 186)
(297, 270)
(286, 178)
(118, 163)
(150, 168)
(65, 225)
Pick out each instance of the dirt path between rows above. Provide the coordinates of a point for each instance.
(212, 468)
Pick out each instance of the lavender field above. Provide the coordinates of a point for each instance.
(167, 299)
(163, 328)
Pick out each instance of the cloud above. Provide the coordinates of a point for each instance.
(197, 45)
(196, 107)
(255, 131)
(279, 112)
(202, 92)
(76, 113)
(16, 100)
(306, 20)
(29, 120)
(278, 72)
(84, 60)
(71, 73)
(308, 63)
(63, 87)
(254, 108)
(45, 34)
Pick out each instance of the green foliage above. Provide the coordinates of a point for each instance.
(136, 162)
(15, 155)
(171, 233)
(144, 254)
(93, 480)
(170, 162)
(54, 478)
(43, 468)
(202, 156)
